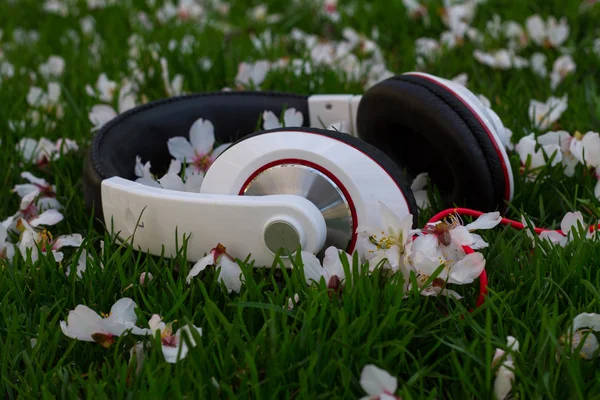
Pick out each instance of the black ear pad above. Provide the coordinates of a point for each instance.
(385, 162)
(144, 131)
(424, 127)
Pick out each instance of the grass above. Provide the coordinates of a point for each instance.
(252, 346)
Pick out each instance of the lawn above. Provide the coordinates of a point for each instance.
(277, 336)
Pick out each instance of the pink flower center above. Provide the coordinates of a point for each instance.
(169, 341)
(30, 212)
(46, 190)
(202, 162)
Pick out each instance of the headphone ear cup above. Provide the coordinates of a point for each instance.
(308, 162)
(425, 126)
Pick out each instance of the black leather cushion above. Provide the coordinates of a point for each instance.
(371, 151)
(144, 131)
(424, 127)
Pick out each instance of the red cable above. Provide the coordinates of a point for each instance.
(483, 280)
(473, 213)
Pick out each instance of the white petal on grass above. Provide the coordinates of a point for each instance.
(485, 221)
(73, 240)
(571, 220)
(376, 381)
(48, 217)
(230, 274)
(200, 266)
(467, 269)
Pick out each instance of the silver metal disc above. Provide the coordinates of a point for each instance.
(313, 185)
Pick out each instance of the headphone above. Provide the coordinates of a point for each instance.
(273, 190)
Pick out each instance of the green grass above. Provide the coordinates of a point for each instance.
(252, 346)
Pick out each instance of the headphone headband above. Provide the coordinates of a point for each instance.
(144, 130)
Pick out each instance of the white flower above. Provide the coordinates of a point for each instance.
(291, 118)
(145, 278)
(505, 375)
(292, 301)
(32, 239)
(566, 143)
(390, 241)
(538, 64)
(501, 59)
(105, 89)
(44, 150)
(378, 383)
(198, 152)
(419, 189)
(100, 114)
(462, 79)
(543, 115)
(587, 150)
(551, 33)
(454, 233)
(38, 186)
(174, 346)
(426, 49)
(526, 148)
(230, 270)
(171, 180)
(138, 354)
(332, 269)
(81, 265)
(172, 87)
(53, 67)
(30, 212)
(86, 325)
(48, 101)
(563, 66)
(584, 325)
(7, 250)
(415, 10)
(252, 74)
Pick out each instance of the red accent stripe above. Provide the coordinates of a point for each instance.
(325, 172)
(490, 134)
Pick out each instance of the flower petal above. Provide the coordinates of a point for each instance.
(202, 136)
(193, 183)
(81, 323)
(100, 114)
(123, 311)
(74, 240)
(571, 220)
(172, 182)
(230, 274)
(313, 271)
(332, 263)
(376, 381)
(485, 221)
(504, 380)
(201, 265)
(217, 152)
(468, 269)
(587, 320)
(181, 149)
(270, 121)
(48, 217)
(174, 167)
